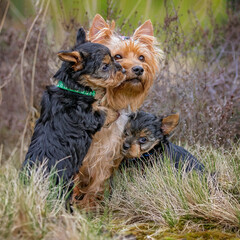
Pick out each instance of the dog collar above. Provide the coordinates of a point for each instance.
(88, 93)
(147, 154)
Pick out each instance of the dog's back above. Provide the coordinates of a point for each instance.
(182, 158)
(63, 132)
(178, 156)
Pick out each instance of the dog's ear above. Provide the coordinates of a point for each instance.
(97, 24)
(81, 36)
(73, 57)
(169, 123)
(100, 30)
(70, 56)
(144, 33)
(112, 25)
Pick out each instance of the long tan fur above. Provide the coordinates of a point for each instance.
(104, 154)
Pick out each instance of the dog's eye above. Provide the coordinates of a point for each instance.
(141, 58)
(142, 140)
(117, 57)
(105, 67)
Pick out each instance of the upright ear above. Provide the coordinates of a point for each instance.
(169, 123)
(144, 33)
(81, 36)
(98, 25)
(73, 57)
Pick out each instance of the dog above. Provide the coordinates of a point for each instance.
(71, 111)
(145, 140)
(139, 55)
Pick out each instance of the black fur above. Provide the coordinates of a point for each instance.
(164, 148)
(64, 131)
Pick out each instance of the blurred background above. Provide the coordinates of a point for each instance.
(199, 77)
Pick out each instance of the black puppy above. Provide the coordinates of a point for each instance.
(69, 113)
(146, 138)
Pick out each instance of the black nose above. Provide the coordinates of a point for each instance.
(118, 66)
(138, 70)
(126, 146)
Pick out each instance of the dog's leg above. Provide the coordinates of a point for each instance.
(94, 192)
(111, 115)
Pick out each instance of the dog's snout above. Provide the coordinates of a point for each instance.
(118, 66)
(126, 146)
(138, 70)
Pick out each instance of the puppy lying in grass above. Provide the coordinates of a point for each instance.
(145, 138)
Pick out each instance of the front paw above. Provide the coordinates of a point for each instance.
(111, 117)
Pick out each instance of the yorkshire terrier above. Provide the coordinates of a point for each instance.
(146, 140)
(139, 55)
(71, 111)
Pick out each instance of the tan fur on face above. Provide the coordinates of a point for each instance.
(95, 83)
(129, 93)
(107, 59)
(135, 150)
(142, 43)
(144, 133)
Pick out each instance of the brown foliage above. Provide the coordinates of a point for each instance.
(200, 79)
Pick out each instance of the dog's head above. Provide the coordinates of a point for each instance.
(138, 55)
(90, 64)
(144, 130)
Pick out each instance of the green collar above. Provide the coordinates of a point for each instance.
(88, 93)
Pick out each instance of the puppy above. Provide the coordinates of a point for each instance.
(140, 56)
(146, 140)
(70, 112)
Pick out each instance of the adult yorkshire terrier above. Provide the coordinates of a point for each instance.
(69, 114)
(139, 56)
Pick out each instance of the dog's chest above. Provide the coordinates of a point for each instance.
(121, 122)
(115, 136)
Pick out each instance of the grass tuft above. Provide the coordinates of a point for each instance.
(160, 202)
(164, 196)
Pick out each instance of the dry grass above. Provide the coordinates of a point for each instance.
(160, 203)
(183, 201)
(167, 197)
(200, 78)
(33, 211)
